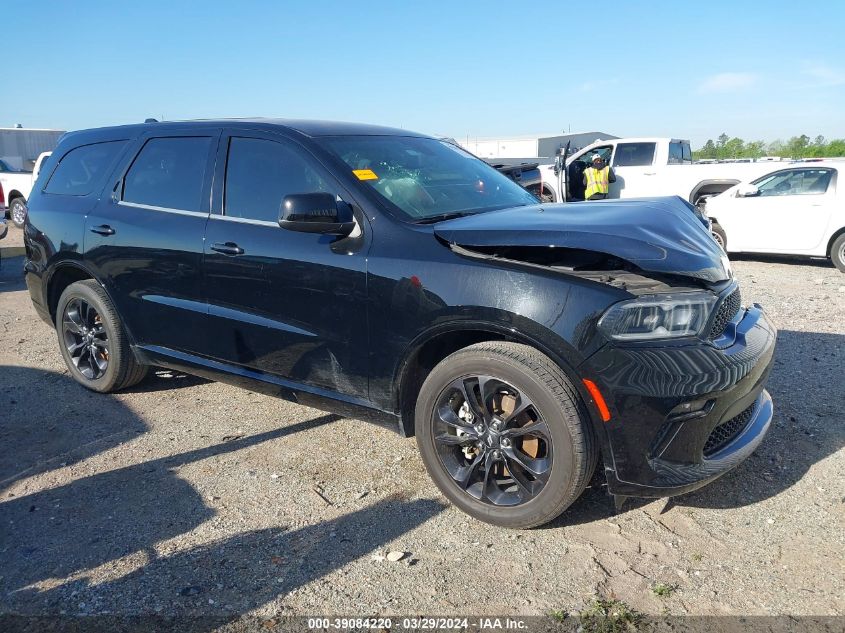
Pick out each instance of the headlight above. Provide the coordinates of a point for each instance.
(658, 316)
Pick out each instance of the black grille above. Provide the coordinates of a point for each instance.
(723, 434)
(727, 311)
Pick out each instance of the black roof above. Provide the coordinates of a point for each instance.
(306, 127)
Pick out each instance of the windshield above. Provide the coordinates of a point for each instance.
(427, 179)
(6, 167)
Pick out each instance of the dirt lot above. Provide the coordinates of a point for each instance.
(182, 496)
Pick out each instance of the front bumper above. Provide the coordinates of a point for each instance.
(684, 414)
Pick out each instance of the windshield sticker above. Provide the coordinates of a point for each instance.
(365, 174)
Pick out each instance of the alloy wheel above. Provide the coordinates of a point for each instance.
(18, 212)
(492, 441)
(85, 338)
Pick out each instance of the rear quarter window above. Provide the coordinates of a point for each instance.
(82, 168)
(679, 153)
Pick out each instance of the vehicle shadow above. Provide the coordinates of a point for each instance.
(819, 262)
(52, 538)
(11, 274)
(808, 390)
(47, 420)
(161, 379)
(236, 575)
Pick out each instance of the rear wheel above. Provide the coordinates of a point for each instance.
(92, 341)
(17, 212)
(720, 236)
(837, 252)
(504, 435)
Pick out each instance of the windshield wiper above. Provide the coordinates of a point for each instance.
(443, 216)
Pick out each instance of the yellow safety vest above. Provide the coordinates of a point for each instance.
(596, 181)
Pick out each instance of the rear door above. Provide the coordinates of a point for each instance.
(790, 215)
(636, 173)
(144, 239)
(282, 302)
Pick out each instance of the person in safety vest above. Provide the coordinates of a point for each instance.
(597, 179)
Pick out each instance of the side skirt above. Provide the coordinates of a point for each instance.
(268, 384)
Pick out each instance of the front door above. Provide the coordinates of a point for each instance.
(285, 303)
(144, 238)
(789, 215)
(575, 173)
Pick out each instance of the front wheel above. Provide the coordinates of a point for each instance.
(504, 435)
(17, 212)
(837, 253)
(720, 236)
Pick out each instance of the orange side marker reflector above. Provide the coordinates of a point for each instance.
(598, 399)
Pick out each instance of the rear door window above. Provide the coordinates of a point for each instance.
(260, 173)
(79, 171)
(169, 173)
(634, 154)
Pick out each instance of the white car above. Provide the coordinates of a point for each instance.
(795, 210)
(15, 186)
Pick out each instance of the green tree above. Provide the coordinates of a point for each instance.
(797, 146)
(720, 145)
(776, 148)
(836, 147)
(818, 148)
(734, 148)
(708, 151)
(755, 149)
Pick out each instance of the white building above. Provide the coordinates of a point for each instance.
(529, 146)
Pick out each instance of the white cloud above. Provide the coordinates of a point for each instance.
(597, 84)
(727, 82)
(824, 76)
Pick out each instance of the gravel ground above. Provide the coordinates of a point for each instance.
(183, 497)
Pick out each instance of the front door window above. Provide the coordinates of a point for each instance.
(795, 182)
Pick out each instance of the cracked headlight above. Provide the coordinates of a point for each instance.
(658, 316)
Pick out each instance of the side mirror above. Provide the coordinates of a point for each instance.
(558, 164)
(316, 213)
(746, 190)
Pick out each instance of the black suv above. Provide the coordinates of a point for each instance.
(387, 275)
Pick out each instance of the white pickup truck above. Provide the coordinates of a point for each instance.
(646, 167)
(15, 186)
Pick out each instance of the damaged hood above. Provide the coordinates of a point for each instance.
(660, 235)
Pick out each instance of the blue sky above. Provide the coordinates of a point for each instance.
(759, 70)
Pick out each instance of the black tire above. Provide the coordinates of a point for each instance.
(837, 253)
(534, 376)
(720, 236)
(113, 365)
(17, 212)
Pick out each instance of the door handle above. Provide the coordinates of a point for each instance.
(228, 248)
(649, 173)
(103, 229)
